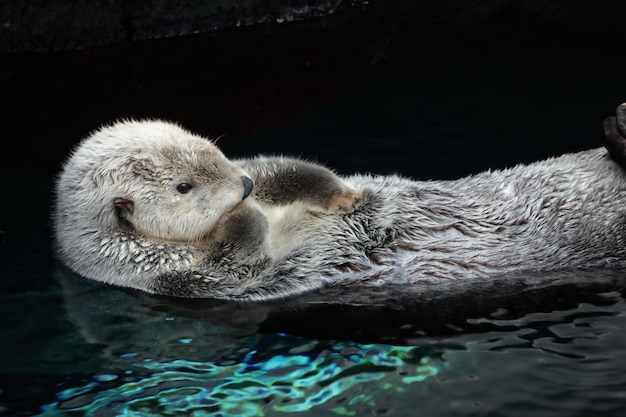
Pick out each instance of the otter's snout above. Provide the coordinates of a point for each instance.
(248, 185)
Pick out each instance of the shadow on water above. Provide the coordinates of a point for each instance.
(399, 316)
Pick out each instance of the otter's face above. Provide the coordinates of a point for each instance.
(180, 192)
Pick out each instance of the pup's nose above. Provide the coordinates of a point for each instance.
(248, 185)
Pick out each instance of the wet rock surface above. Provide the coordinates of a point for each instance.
(69, 24)
(61, 25)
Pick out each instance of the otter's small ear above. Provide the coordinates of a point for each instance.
(123, 207)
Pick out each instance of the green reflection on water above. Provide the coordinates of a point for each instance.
(287, 382)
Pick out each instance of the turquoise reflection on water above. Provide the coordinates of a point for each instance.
(254, 386)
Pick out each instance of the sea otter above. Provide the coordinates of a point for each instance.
(148, 205)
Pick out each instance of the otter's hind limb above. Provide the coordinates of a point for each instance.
(615, 135)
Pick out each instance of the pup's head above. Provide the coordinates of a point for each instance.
(152, 176)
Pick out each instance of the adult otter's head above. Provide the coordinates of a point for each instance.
(144, 179)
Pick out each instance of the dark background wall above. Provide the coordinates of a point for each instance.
(242, 68)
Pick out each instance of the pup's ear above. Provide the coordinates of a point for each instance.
(123, 207)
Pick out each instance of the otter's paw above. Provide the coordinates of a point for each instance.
(615, 135)
(343, 202)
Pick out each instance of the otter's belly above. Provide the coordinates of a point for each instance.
(565, 212)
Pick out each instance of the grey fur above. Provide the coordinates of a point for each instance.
(291, 236)
(280, 180)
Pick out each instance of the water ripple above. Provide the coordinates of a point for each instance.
(330, 375)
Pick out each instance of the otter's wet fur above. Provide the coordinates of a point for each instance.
(122, 217)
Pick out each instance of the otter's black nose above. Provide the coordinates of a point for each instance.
(248, 185)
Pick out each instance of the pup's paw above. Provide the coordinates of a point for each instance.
(343, 202)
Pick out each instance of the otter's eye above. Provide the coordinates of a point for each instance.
(184, 187)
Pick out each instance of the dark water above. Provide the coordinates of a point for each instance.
(545, 345)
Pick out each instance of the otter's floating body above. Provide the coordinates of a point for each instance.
(148, 205)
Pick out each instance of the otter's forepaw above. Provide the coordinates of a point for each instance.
(343, 202)
(615, 135)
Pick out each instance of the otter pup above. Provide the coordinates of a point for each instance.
(142, 199)
(151, 206)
